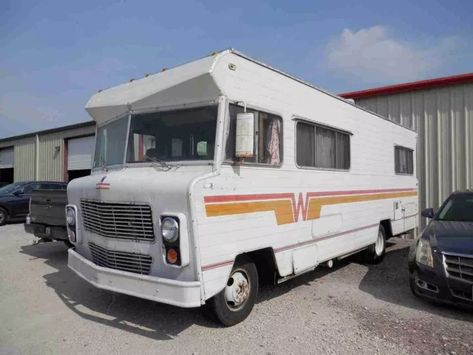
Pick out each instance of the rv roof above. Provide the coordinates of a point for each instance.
(190, 82)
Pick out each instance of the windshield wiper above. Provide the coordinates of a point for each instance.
(160, 162)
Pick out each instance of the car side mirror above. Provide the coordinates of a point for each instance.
(428, 212)
(245, 135)
(19, 193)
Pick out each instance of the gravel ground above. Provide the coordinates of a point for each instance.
(350, 309)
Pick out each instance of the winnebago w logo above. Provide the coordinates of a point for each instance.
(288, 209)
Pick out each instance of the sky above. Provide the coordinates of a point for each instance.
(55, 54)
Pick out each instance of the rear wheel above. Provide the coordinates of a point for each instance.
(3, 216)
(375, 252)
(235, 302)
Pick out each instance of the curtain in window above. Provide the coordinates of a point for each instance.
(272, 142)
(343, 151)
(325, 148)
(305, 141)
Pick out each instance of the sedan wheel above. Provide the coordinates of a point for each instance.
(3, 217)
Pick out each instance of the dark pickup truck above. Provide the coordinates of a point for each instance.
(47, 219)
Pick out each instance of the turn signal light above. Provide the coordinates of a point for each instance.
(172, 256)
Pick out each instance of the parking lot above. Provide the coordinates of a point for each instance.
(352, 308)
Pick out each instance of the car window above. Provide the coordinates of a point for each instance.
(458, 208)
(29, 188)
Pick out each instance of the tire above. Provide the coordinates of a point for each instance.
(224, 305)
(412, 285)
(375, 252)
(3, 216)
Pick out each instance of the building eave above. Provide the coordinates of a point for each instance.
(412, 86)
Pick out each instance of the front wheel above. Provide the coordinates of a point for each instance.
(375, 252)
(235, 302)
(3, 216)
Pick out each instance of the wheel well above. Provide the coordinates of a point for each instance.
(265, 264)
(387, 228)
(5, 209)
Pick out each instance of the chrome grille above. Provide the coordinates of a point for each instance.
(119, 260)
(459, 266)
(118, 220)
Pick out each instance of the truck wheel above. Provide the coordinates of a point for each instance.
(375, 252)
(3, 216)
(235, 302)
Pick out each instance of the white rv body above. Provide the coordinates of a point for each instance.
(300, 216)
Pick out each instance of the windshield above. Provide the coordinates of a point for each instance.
(459, 208)
(173, 135)
(110, 145)
(8, 189)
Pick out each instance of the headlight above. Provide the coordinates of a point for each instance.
(424, 253)
(71, 217)
(169, 229)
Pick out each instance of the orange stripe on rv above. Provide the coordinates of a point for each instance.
(287, 208)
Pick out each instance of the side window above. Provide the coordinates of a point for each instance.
(305, 144)
(141, 146)
(403, 160)
(268, 137)
(322, 147)
(30, 188)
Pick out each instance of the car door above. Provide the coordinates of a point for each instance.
(22, 200)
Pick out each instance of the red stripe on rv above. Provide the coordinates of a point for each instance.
(233, 198)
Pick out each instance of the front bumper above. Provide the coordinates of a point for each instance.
(46, 232)
(435, 285)
(176, 293)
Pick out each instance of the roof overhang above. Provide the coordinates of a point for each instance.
(188, 83)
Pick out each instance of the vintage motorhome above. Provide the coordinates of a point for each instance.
(213, 175)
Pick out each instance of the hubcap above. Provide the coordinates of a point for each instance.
(2, 217)
(379, 246)
(237, 291)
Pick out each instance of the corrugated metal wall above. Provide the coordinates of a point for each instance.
(51, 151)
(24, 157)
(51, 157)
(443, 119)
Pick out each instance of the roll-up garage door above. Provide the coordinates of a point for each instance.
(79, 153)
(6, 158)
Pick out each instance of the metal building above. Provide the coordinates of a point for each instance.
(59, 154)
(441, 111)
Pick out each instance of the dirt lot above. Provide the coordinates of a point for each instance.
(352, 308)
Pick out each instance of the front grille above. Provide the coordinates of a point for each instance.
(459, 266)
(119, 260)
(118, 220)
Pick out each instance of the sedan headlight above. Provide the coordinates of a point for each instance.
(169, 229)
(424, 253)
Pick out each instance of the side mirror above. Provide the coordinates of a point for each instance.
(19, 193)
(428, 212)
(245, 135)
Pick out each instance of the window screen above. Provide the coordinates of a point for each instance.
(403, 160)
(322, 147)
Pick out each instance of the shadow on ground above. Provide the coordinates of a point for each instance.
(131, 314)
(387, 281)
